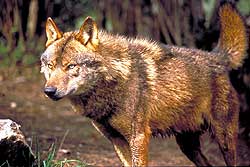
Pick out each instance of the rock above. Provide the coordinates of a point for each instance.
(14, 150)
(13, 105)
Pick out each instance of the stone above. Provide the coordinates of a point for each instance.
(14, 150)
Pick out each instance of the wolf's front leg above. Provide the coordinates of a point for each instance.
(139, 143)
(139, 150)
(121, 145)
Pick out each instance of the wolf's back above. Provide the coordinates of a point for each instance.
(233, 35)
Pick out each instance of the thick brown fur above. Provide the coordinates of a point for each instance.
(134, 88)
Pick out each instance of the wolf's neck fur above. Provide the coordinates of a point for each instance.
(122, 53)
(120, 46)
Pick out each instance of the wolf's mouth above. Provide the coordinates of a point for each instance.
(72, 91)
(55, 98)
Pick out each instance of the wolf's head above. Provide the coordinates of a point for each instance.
(70, 62)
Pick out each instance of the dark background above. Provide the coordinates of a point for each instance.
(189, 23)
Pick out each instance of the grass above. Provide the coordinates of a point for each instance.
(51, 159)
(51, 162)
(5, 163)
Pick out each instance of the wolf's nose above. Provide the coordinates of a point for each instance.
(50, 91)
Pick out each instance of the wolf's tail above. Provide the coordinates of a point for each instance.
(233, 36)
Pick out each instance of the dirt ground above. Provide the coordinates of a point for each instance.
(22, 100)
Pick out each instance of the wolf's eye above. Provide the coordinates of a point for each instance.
(71, 66)
(50, 66)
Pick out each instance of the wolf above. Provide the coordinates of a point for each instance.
(133, 89)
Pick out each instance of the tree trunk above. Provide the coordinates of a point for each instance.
(32, 19)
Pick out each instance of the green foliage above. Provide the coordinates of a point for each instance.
(50, 159)
(4, 60)
(3, 49)
(18, 53)
(29, 59)
(109, 25)
(51, 162)
(244, 7)
(208, 6)
(51, 156)
(24, 54)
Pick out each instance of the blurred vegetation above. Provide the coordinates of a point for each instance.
(190, 23)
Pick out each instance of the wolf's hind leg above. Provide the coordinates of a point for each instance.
(225, 124)
(189, 144)
(225, 133)
(226, 136)
(227, 144)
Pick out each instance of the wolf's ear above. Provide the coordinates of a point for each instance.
(88, 34)
(52, 31)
